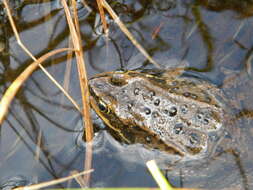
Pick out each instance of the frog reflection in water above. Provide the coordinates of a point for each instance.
(180, 115)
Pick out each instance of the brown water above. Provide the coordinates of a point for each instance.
(213, 38)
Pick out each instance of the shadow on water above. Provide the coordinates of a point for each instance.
(243, 176)
(213, 36)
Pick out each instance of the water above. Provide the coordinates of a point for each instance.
(213, 38)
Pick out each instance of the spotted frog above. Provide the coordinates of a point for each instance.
(174, 113)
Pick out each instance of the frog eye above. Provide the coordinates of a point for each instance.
(103, 107)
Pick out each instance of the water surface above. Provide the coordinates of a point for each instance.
(213, 37)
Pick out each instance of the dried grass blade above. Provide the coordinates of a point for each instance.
(102, 16)
(128, 33)
(81, 70)
(84, 84)
(53, 182)
(14, 87)
(76, 36)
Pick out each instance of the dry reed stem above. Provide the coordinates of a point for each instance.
(81, 68)
(128, 33)
(89, 130)
(76, 37)
(17, 83)
(53, 182)
(82, 73)
(14, 28)
(102, 16)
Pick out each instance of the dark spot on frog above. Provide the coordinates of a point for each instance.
(184, 109)
(206, 121)
(188, 123)
(217, 106)
(194, 138)
(178, 128)
(148, 96)
(136, 91)
(199, 116)
(130, 106)
(152, 93)
(157, 102)
(147, 111)
(123, 91)
(173, 111)
(203, 118)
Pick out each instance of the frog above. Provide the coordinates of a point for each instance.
(162, 110)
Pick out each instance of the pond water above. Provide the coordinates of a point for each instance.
(212, 37)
